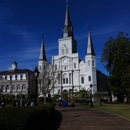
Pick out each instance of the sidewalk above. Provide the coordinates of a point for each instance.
(73, 118)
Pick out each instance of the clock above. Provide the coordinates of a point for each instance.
(65, 61)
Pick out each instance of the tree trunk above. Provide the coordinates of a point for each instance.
(44, 98)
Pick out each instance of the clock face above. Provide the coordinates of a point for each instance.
(65, 61)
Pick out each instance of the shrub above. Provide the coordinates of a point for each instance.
(25, 118)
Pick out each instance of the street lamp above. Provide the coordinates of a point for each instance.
(72, 92)
(61, 93)
(91, 96)
(61, 85)
(36, 73)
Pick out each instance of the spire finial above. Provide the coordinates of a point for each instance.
(67, 2)
(42, 35)
(88, 27)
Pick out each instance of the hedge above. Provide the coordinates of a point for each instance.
(26, 118)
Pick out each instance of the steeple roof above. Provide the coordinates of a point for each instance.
(90, 48)
(67, 30)
(42, 51)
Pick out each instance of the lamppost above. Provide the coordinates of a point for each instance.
(72, 92)
(36, 73)
(91, 95)
(61, 85)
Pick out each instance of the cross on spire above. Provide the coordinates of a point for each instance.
(67, 2)
(42, 35)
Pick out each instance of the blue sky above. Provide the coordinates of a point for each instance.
(22, 21)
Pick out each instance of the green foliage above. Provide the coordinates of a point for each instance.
(116, 59)
(23, 118)
(82, 94)
(55, 96)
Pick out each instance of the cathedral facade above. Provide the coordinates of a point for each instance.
(74, 72)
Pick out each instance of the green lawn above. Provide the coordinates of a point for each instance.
(122, 109)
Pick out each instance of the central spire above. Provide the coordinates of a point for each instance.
(67, 30)
(42, 52)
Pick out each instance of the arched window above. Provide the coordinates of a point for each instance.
(89, 63)
(13, 88)
(55, 67)
(74, 65)
(24, 87)
(93, 63)
(59, 78)
(7, 88)
(66, 50)
(63, 80)
(62, 51)
(82, 80)
(18, 88)
(66, 80)
(89, 78)
(2, 89)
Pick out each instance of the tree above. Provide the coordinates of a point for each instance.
(116, 59)
(82, 94)
(47, 80)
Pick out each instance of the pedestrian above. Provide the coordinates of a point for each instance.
(32, 103)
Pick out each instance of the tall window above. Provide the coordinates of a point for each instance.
(59, 78)
(74, 65)
(13, 88)
(66, 50)
(66, 80)
(89, 78)
(82, 80)
(62, 51)
(55, 67)
(7, 88)
(18, 88)
(69, 78)
(2, 89)
(93, 63)
(24, 87)
(89, 63)
(63, 80)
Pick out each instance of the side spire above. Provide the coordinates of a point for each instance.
(42, 51)
(67, 30)
(90, 48)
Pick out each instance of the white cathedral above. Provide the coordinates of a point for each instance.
(75, 73)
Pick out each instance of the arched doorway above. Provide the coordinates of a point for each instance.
(65, 95)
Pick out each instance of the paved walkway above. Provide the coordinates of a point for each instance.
(73, 118)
